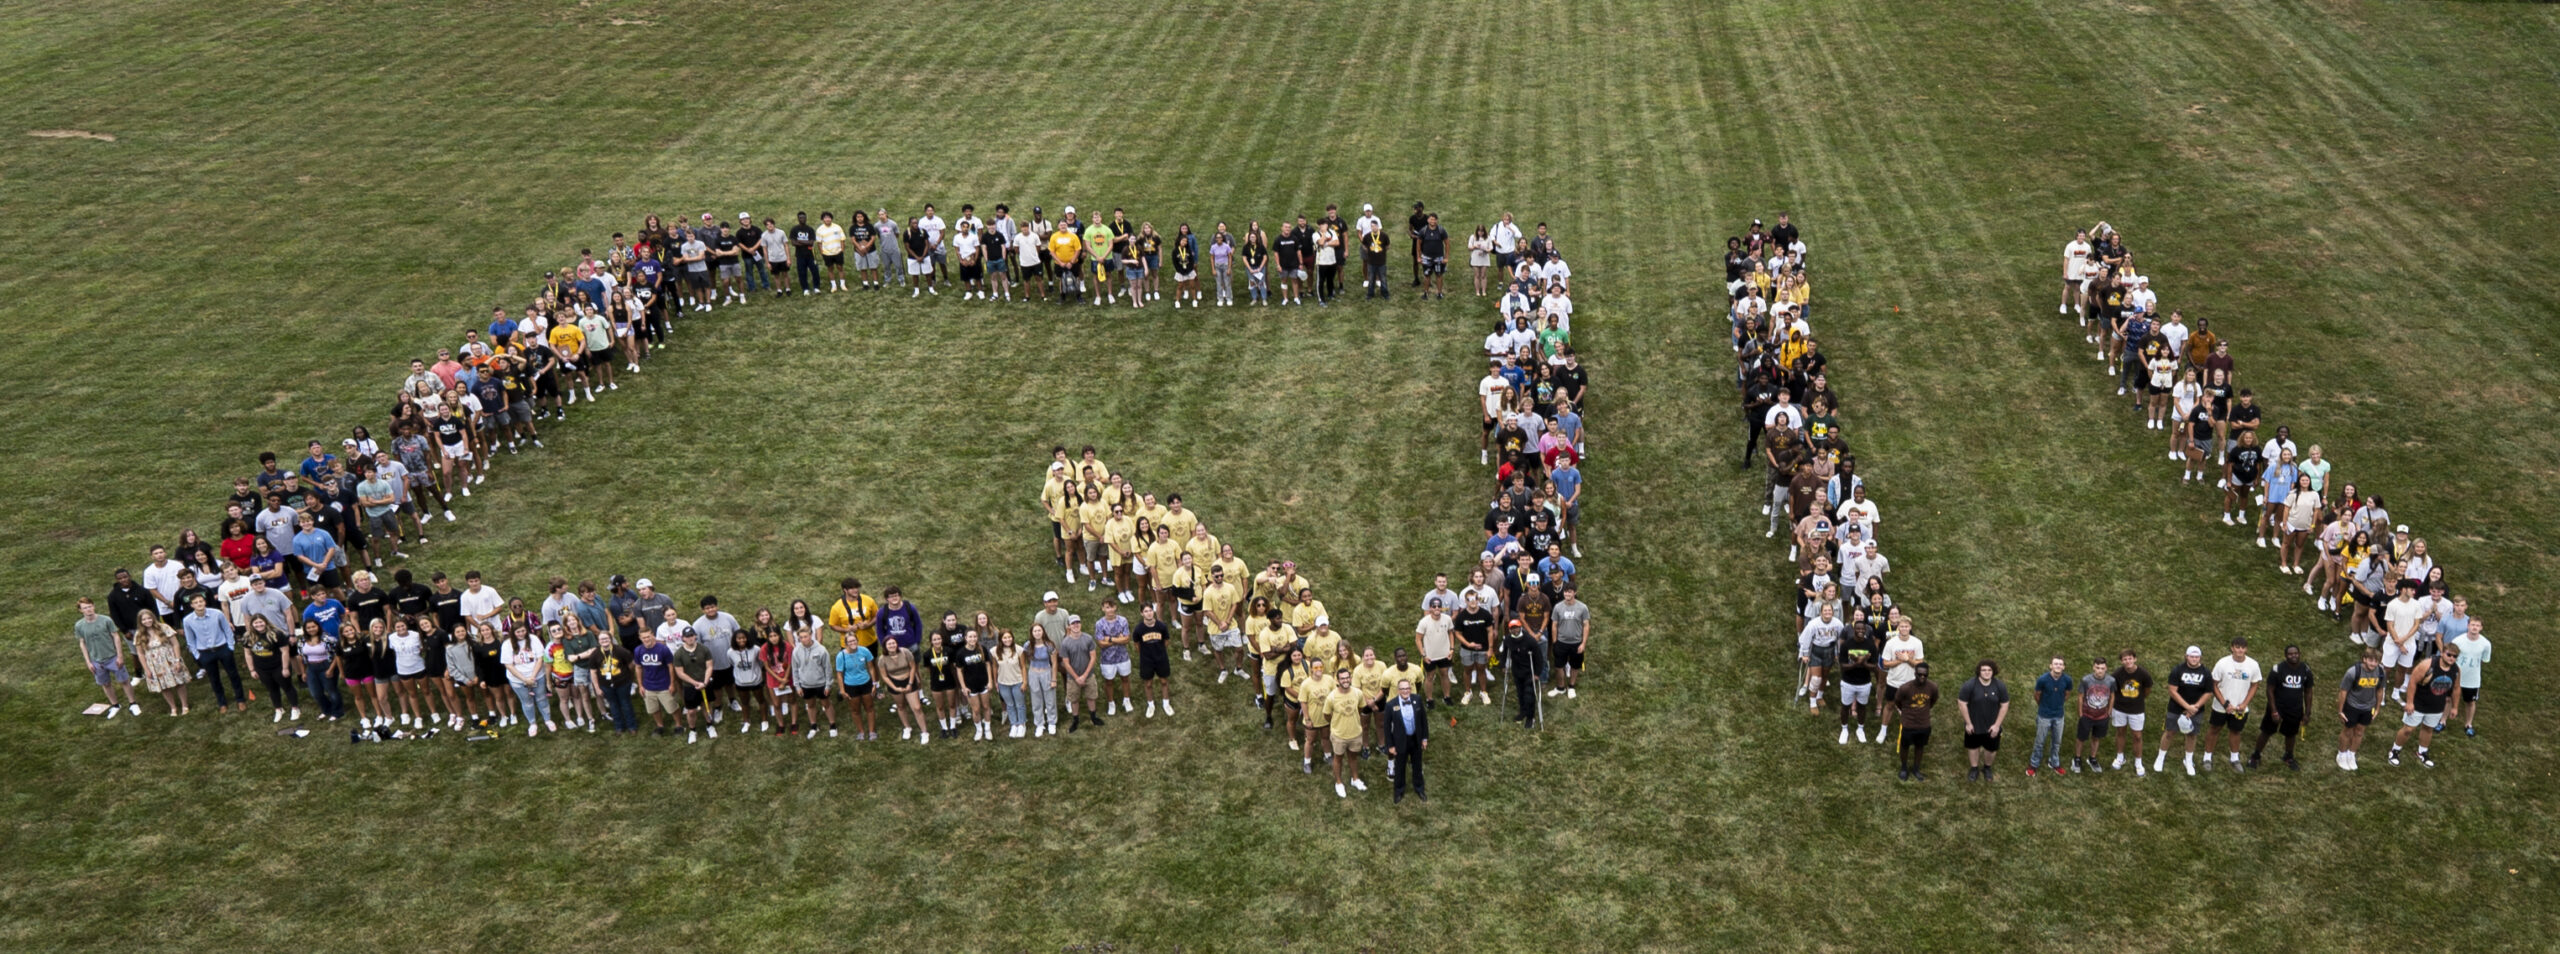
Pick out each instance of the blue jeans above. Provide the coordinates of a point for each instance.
(1013, 707)
(324, 691)
(617, 706)
(805, 271)
(759, 275)
(2052, 730)
(536, 698)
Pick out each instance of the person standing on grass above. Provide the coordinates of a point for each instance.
(2097, 710)
(1372, 239)
(819, 677)
(102, 649)
(1219, 602)
(317, 661)
(1111, 633)
(525, 658)
(1493, 392)
(2053, 695)
(2075, 268)
(693, 663)
(2190, 687)
(1342, 709)
(2243, 469)
(2430, 689)
(1431, 641)
(1817, 648)
(1902, 659)
(1913, 701)
(270, 651)
(2235, 687)
(1008, 659)
(2291, 699)
(1520, 656)
(211, 639)
(1222, 264)
(2359, 692)
(1985, 701)
(1256, 253)
(1077, 653)
(1155, 659)
(2471, 652)
(1408, 734)
(1857, 681)
(655, 663)
(1288, 252)
(159, 651)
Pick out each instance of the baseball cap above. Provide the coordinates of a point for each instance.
(1515, 624)
(1366, 207)
(616, 581)
(1324, 620)
(742, 217)
(2403, 528)
(1048, 597)
(1073, 618)
(2195, 651)
(645, 584)
(1071, 210)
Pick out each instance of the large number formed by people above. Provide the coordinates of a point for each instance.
(309, 585)
(2416, 645)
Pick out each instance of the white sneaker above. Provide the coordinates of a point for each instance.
(1572, 692)
(1844, 735)
(1553, 693)
(906, 732)
(2191, 765)
(1151, 710)
(2138, 772)
(1358, 784)
(764, 725)
(1222, 676)
(1168, 707)
(2118, 765)
(1340, 792)
(530, 729)
(691, 736)
(924, 738)
(295, 717)
(111, 713)
(1862, 733)
(554, 727)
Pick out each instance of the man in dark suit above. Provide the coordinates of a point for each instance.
(1408, 733)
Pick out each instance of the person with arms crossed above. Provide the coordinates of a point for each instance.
(2190, 687)
(2430, 689)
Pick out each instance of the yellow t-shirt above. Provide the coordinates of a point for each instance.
(1094, 514)
(1161, 556)
(1204, 551)
(1367, 677)
(1180, 523)
(1275, 637)
(1267, 587)
(1404, 673)
(1112, 495)
(567, 339)
(831, 242)
(1342, 709)
(1237, 572)
(1053, 498)
(1065, 246)
(1218, 602)
(857, 618)
(1314, 692)
(1321, 644)
(1154, 514)
(1304, 615)
(1070, 520)
(1101, 471)
(1121, 533)
(1296, 581)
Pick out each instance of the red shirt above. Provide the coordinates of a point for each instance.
(238, 550)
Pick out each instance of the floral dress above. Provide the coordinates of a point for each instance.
(163, 667)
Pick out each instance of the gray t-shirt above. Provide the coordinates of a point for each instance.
(719, 634)
(1053, 622)
(1078, 649)
(2098, 687)
(99, 635)
(276, 607)
(2363, 685)
(1571, 618)
(653, 609)
(377, 487)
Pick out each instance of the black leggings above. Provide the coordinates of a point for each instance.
(1328, 281)
(281, 691)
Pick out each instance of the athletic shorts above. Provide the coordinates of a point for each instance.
(2289, 724)
(2234, 721)
(1234, 639)
(460, 451)
(2191, 725)
(2092, 729)
(108, 672)
(1154, 665)
(1912, 739)
(2357, 716)
(2470, 693)
(731, 270)
(2125, 720)
(1435, 264)
(2427, 720)
(1270, 683)
(971, 273)
(701, 279)
(1118, 670)
(1434, 665)
(1566, 655)
(1823, 656)
(1490, 424)
(1856, 694)
(1343, 746)
(1470, 657)
(1186, 276)
(837, 259)
(1982, 740)
(919, 266)
(521, 413)
(857, 690)
(658, 701)
(2395, 654)
(694, 700)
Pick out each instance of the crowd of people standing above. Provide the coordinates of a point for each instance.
(307, 586)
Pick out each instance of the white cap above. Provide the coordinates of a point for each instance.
(1073, 618)
(2194, 651)
(1324, 620)
(1366, 207)
(1071, 210)
(2403, 528)
(1049, 597)
(644, 584)
(742, 217)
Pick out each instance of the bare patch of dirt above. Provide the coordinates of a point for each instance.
(70, 134)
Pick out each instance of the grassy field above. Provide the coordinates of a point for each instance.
(298, 196)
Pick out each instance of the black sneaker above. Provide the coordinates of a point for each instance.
(1902, 774)
(1097, 720)
(2425, 759)
(2289, 763)
(1074, 723)
(2253, 761)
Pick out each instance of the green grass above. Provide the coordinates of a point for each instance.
(299, 195)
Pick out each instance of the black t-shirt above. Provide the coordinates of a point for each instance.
(1285, 245)
(991, 244)
(1536, 540)
(1417, 224)
(1433, 240)
(803, 238)
(2133, 686)
(751, 239)
(2293, 682)
(1858, 659)
(448, 430)
(1150, 637)
(2191, 683)
(724, 249)
(861, 234)
(2200, 424)
(1254, 254)
(2244, 414)
(412, 600)
(2247, 461)
(1736, 265)
(1570, 381)
(916, 239)
(1784, 234)
(1474, 628)
(448, 607)
(369, 605)
(1982, 702)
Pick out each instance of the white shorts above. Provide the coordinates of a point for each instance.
(1856, 695)
(1137, 567)
(919, 266)
(2126, 720)
(1118, 670)
(2395, 654)
(1231, 639)
(1270, 683)
(458, 451)
(2428, 720)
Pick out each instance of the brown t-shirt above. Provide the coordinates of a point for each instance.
(898, 667)
(1800, 492)
(1914, 701)
(1533, 611)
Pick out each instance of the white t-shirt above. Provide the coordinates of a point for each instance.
(964, 243)
(773, 246)
(1365, 225)
(1435, 637)
(2142, 300)
(1857, 570)
(2471, 653)
(2231, 681)
(2075, 260)
(830, 239)
(2403, 616)
(1896, 673)
(481, 601)
(932, 226)
(2175, 333)
(1561, 306)
(1506, 237)
(1491, 389)
(162, 578)
(1860, 512)
(1786, 413)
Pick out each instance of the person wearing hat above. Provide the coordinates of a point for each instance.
(1077, 651)
(2190, 687)
(1912, 704)
(2431, 689)
(693, 680)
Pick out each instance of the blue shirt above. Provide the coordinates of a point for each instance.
(1568, 481)
(1407, 710)
(1557, 568)
(327, 612)
(1499, 542)
(502, 328)
(2452, 627)
(653, 662)
(317, 548)
(1569, 424)
(207, 630)
(311, 466)
(853, 665)
(2280, 480)
(2051, 692)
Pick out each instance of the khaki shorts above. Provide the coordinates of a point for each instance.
(1343, 746)
(656, 701)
